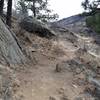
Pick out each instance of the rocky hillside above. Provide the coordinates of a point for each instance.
(70, 20)
(76, 23)
(63, 67)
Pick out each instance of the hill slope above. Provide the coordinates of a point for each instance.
(66, 67)
(70, 20)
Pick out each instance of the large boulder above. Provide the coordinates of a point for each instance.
(32, 25)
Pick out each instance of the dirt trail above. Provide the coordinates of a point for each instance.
(42, 82)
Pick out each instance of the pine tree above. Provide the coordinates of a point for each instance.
(40, 10)
(92, 7)
(33, 6)
(22, 8)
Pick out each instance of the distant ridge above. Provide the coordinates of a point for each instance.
(69, 20)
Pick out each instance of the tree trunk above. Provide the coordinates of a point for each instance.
(10, 51)
(34, 8)
(1, 6)
(9, 13)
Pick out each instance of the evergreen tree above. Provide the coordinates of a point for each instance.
(33, 6)
(93, 20)
(86, 4)
(40, 9)
(22, 8)
(93, 6)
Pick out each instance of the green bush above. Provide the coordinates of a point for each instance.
(94, 22)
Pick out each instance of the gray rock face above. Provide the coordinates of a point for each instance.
(10, 51)
(32, 25)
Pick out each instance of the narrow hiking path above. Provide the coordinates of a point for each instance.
(42, 82)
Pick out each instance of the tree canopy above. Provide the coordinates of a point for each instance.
(92, 6)
(39, 9)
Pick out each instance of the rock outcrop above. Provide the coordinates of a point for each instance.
(10, 50)
(34, 26)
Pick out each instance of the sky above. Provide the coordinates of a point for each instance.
(66, 8)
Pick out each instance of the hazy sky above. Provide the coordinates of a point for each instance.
(66, 8)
